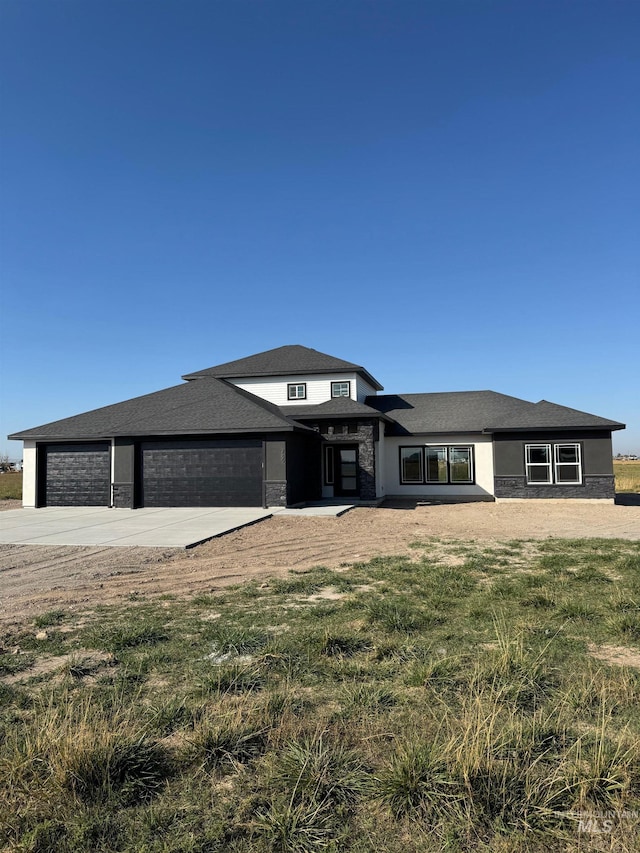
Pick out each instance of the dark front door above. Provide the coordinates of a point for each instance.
(345, 476)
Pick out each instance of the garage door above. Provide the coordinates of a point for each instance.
(75, 475)
(201, 473)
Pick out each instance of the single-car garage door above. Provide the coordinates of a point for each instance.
(201, 473)
(74, 475)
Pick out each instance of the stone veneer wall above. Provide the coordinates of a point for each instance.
(591, 487)
(123, 495)
(275, 493)
(365, 437)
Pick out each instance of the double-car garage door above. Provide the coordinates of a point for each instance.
(201, 473)
(167, 473)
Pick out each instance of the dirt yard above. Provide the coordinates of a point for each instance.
(37, 578)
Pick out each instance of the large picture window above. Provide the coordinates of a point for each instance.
(436, 464)
(553, 463)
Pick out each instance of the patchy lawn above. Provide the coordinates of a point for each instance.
(467, 697)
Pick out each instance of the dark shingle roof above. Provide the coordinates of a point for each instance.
(210, 406)
(480, 411)
(282, 361)
(545, 415)
(455, 411)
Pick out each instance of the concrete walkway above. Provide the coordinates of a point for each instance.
(180, 527)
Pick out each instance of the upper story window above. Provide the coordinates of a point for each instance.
(341, 389)
(297, 391)
(553, 463)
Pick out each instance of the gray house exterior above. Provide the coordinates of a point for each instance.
(293, 425)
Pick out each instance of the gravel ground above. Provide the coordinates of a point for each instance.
(37, 578)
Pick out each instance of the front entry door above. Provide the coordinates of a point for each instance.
(346, 471)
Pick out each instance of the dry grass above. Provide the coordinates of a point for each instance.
(627, 476)
(429, 707)
(11, 486)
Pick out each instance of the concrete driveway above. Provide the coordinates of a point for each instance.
(162, 528)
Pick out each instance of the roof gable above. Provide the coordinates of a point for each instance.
(282, 361)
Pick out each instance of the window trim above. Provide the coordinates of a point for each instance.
(548, 465)
(472, 478)
(423, 463)
(436, 447)
(577, 463)
(295, 396)
(554, 464)
(346, 382)
(412, 449)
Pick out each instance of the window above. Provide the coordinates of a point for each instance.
(297, 391)
(460, 465)
(538, 460)
(410, 464)
(328, 465)
(567, 463)
(436, 465)
(547, 464)
(341, 389)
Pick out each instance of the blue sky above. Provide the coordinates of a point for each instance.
(445, 192)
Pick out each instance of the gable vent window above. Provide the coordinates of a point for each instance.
(297, 391)
(341, 389)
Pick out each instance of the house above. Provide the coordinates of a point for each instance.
(293, 424)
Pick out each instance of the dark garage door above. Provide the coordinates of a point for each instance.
(75, 475)
(201, 473)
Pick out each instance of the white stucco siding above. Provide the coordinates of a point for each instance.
(274, 388)
(483, 466)
(29, 474)
(380, 465)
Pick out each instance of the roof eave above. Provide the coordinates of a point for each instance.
(611, 426)
(291, 427)
(328, 416)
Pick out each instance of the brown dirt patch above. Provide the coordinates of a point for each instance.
(10, 503)
(45, 665)
(618, 655)
(37, 578)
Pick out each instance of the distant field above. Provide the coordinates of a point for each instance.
(11, 486)
(627, 476)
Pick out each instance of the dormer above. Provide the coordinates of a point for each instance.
(295, 375)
